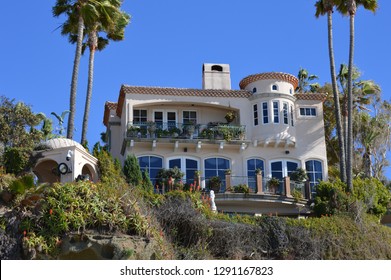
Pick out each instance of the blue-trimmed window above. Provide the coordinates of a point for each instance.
(285, 112)
(252, 165)
(276, 110)
(292, 120)
(152, 164)
(255, 112)
(314, 172)
(308, 112)
(265, 112)
(216, 167)
(274, 87)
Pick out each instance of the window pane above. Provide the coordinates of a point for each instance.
(223, 163)
(302, 112)
(174, 163)
(313, 112)
(291, 166)
(190, 163)
(210, 163)
(251, 164)
(143, 161)
(156, 162)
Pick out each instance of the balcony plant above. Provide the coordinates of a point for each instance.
(174, 131)
(241, 188)
(215, 183)
(230, 116)
(299, 175)
(273, 184)
(151, 127)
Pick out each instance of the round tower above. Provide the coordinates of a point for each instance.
(273, 107)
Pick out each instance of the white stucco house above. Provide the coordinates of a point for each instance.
(274, 130)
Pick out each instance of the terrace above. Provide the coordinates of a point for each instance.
(185, 131)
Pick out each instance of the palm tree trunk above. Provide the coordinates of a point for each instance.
(75, 74)
(349, 162)
(93, 43)
(337, 108)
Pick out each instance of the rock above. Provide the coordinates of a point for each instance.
(9, 247)
(95, 246)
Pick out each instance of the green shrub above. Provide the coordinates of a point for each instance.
(132, 171)
(330, 198)
(241, 188)
(373, 194)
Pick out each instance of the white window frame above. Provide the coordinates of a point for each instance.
(278, 111)
(267, 113)
(255, 115)
(305, 111)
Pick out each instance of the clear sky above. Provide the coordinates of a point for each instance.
(168, 41)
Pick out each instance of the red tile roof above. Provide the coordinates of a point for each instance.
(219, 93)
(311, 96)
(270, 76)
(108, 106)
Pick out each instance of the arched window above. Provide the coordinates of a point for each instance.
(216, 167)
(152, 164)
(218, 68)
(314, 172)
(252, 165)
(274, 87)
(188, 165)
(254, 90)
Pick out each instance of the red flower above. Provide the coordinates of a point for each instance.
(24, 233)
(51, 212)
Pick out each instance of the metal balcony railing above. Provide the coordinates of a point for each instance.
(174, 130)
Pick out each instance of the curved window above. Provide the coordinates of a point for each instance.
(254, 90)
(274, 87)
(151, 164)
(252, 165)
(217, 68)
(255, 112)
(216, 167)
(281, 169)
(265, 112)
(314, 172)
(285, 112)
(187, 165)
(276, 111)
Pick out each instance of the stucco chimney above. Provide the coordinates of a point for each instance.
(216, 76)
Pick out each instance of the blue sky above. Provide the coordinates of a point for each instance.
(168, 41)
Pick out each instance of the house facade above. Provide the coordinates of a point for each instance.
(264, 126)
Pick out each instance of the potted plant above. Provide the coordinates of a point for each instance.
(230, 116)
(258, 171)
(215, 183)
(228, 172)
(151, 127)
(273, 184)
(299, 175)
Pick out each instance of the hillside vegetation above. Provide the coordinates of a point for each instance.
(180, 225)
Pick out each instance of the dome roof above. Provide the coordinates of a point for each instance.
(270, 76)
(58, 143)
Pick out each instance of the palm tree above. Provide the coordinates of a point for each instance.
(326, 7)
(304, 81)
(79, 13)
(115, 32)
(350, 7)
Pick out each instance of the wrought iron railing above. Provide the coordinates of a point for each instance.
(211, 131)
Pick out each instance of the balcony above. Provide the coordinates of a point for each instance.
(171, 130)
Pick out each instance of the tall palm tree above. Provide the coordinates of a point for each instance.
(350, 7)
(115, 32)
(326, 7)
(78, 12)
